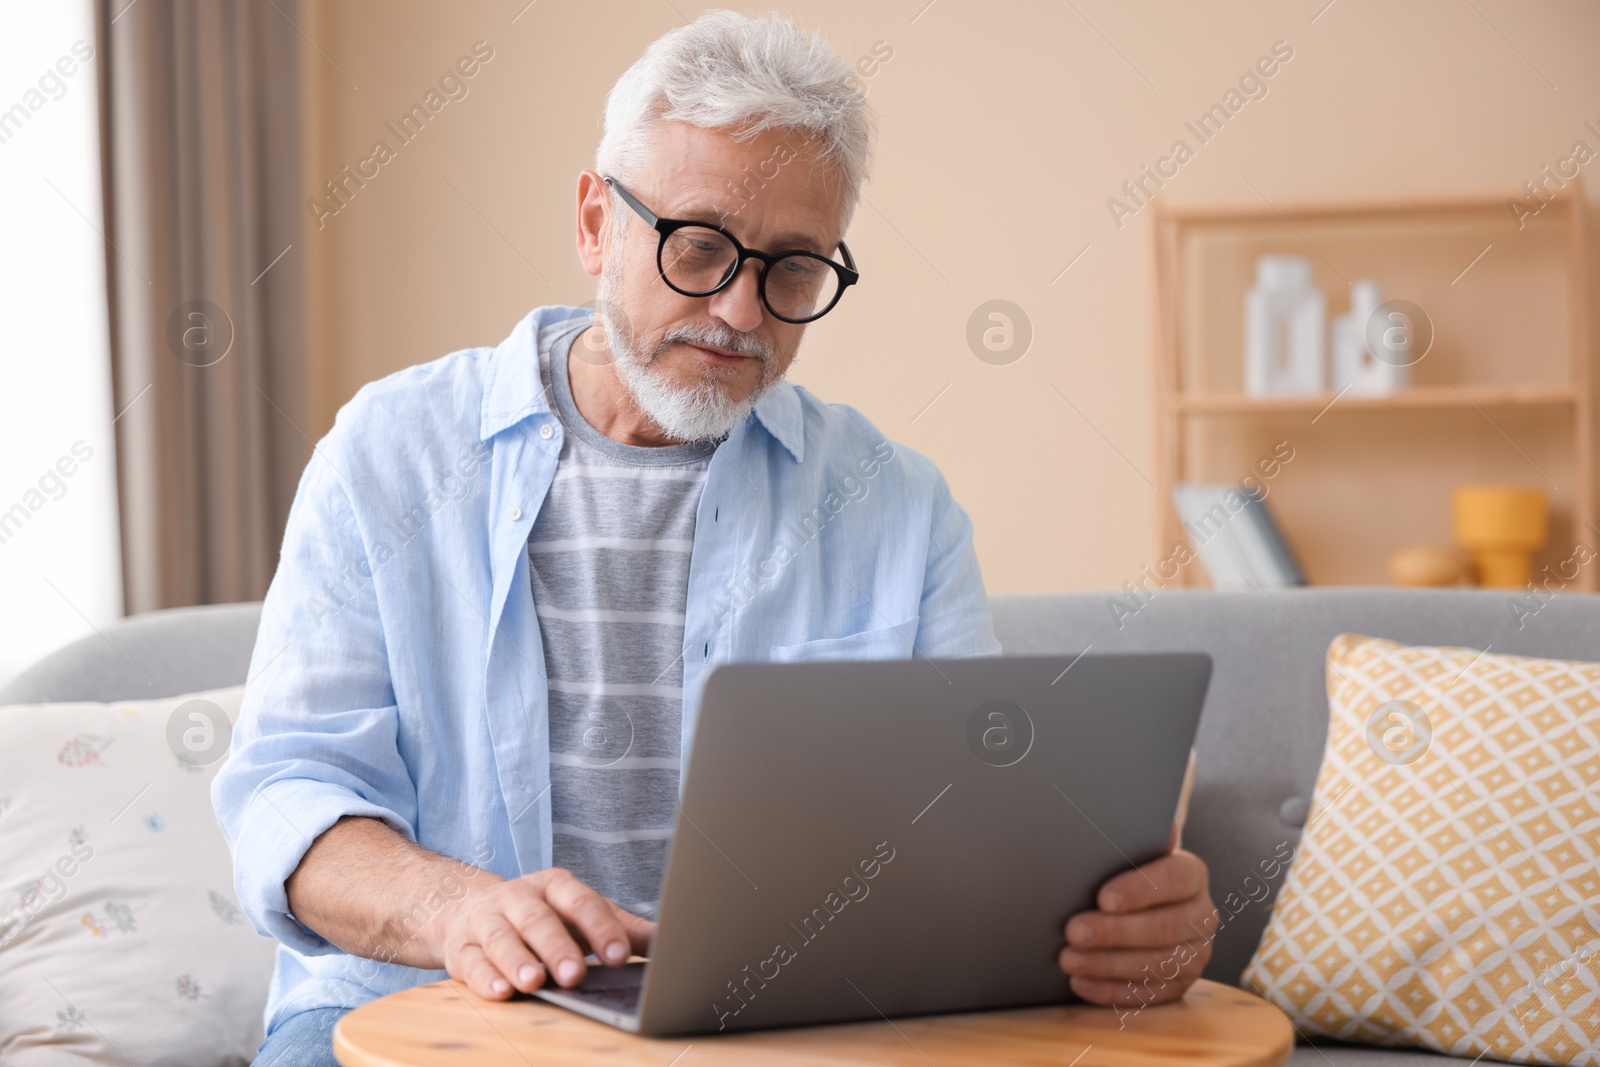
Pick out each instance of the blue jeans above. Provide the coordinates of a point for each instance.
(304, 1040)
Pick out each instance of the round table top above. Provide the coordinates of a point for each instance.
(444, 1023)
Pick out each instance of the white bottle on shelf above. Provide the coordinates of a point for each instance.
(1355, 367)
(1285, 319)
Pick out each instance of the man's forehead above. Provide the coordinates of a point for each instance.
(774, 186)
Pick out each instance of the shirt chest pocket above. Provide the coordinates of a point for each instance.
(887, 642)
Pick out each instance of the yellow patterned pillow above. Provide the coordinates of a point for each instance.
(1446, 892)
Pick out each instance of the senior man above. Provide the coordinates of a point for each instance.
(502, 564)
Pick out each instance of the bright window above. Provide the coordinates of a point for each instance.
(60, 570)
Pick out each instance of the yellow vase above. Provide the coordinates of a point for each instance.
(1502, 526)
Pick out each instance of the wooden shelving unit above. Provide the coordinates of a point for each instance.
(1505, 394)
(1425, 397)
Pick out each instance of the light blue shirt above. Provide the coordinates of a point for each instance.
(398, 673)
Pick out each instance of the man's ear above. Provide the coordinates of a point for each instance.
(594, 221)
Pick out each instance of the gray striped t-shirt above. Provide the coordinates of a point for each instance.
(609, 561)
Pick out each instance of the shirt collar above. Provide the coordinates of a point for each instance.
(514, 392)
(780, 412)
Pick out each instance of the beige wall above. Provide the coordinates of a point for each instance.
(1005, 128)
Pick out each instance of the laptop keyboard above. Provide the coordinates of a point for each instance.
(619, 998)
(617, 988)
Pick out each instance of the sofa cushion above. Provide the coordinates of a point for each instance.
(1447, 889)
(143, 657)
(1340, 1055)
(120, 937)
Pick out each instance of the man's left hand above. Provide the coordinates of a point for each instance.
(1149, 937)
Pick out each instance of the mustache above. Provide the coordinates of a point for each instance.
(715, 336)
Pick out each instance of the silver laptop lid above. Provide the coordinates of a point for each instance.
(865, 839)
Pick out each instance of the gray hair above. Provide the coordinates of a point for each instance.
(727, 70)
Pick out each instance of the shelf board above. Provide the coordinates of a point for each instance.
(1427, 396)
(1409, 208)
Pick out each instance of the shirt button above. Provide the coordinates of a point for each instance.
(514, 514)
(547, 431)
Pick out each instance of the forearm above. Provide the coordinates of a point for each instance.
(375, 894)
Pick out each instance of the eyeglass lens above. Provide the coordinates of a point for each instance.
(696, 260)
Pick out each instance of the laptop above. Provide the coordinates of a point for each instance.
(862, 840)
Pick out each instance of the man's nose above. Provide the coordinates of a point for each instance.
(739, 305)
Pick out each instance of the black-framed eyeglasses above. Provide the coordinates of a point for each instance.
(698, 259)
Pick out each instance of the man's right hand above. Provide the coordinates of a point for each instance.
(512, 934)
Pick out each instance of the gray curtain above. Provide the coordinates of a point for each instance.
(200, 138)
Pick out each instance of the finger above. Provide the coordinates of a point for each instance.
(641, 931)
(1174, 877)
(508, 953)
(470, 965)
(1135, 994)
(1161, 927)
(590, 914)
(1160, 965)
(544, 932)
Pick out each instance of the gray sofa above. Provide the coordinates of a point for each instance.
(1261, 734)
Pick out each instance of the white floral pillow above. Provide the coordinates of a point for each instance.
(120, 938)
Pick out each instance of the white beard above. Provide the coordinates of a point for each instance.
(702, 411)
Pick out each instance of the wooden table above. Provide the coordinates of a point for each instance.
(444, 1023)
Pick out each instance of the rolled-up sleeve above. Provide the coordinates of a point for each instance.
(317, 736)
